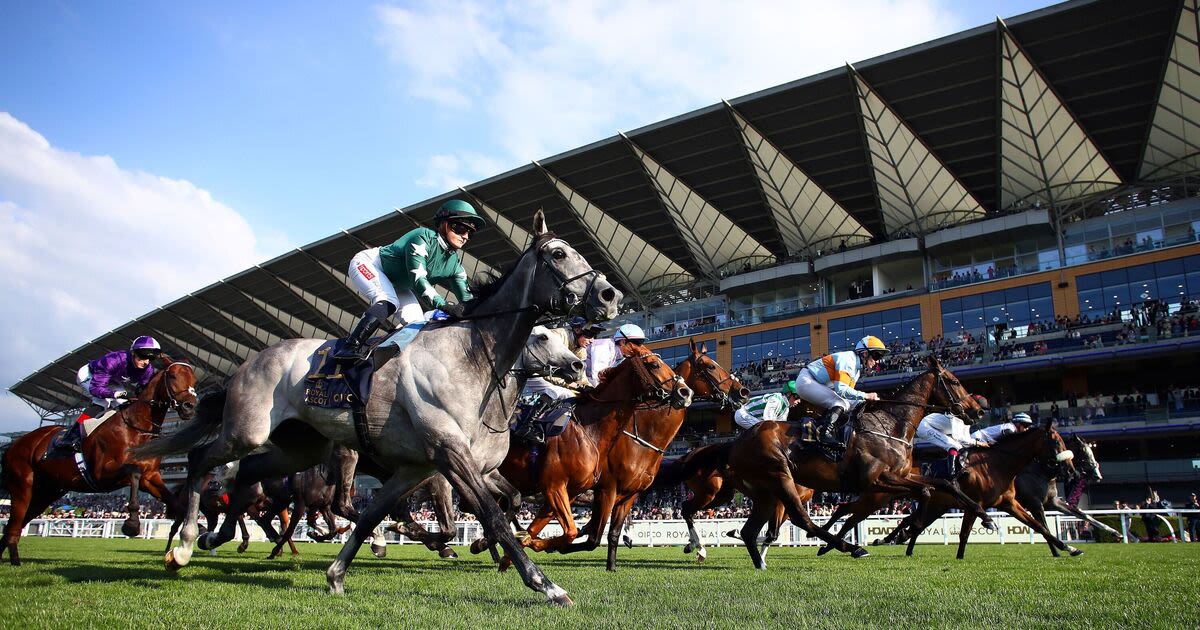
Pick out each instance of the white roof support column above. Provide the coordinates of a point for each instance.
(713, 239)
(637, 261)
(916, 191)
(1173, 144)
(808, 219)
(1045, 154)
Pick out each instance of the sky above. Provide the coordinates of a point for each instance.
(148, 149)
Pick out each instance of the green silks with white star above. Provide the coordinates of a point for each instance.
(420, 259)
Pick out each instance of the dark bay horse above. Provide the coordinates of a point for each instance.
(431, 406)
(34, 482)
(989, 476)
(1037, 490)
(770, 461)
(614, 446)
(706, 473)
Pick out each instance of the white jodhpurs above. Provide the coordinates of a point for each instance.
(367, 274)
(820, 395)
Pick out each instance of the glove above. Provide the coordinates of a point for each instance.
(121, 394)
(453, 310)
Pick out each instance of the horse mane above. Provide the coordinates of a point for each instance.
(487, 284)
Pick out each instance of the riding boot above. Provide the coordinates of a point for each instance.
(952, 466)
(355, 349)
(831, 425)
(72, 438)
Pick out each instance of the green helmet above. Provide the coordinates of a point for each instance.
(790, 388)
(461, 210)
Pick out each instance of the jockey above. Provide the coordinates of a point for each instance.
(829, 383)
(949, 433)
(768, 407)
(606, 353)
(400, 277)
(1020, 422)
(110, 381)
(545, 390)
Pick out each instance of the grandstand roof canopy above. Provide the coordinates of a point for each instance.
(1042, 109)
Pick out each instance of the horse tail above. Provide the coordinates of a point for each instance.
(210, 411)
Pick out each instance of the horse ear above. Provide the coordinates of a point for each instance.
(539, 223)
(703, 347)
(934, 365)
(692, 345)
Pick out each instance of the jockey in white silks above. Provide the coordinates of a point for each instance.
(948, 433)
(768, 407)
(606, 353)
(1020, 422)
(829, 383)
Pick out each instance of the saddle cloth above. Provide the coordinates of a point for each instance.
(91, 424)
(551, 416)
(330, 385)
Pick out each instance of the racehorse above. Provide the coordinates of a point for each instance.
(269, 502)
(641, 399)
(989, 475)
(34, 481)
(1037, 490)
(770, 461)
(429, 409)
(706, 473)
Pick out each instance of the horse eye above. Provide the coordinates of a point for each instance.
(559, 254)
(543, 337)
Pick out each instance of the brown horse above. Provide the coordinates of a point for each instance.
(269, 503)
(615, 446)
(34, 482)
(770, 460)
(989, 476)
(706, 473)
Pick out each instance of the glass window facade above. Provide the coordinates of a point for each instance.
(902, 324)
(672, 355)
(787, 343)
(1015, 307)
(1172, 281)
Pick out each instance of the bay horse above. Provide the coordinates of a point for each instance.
(430, 408)
(35, 481)
(989, 476)
(706, 473)
(614, 446)
(770, 460)
(214, 503)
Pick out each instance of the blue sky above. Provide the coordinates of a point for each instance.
(136, 135)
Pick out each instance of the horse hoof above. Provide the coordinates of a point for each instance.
(627, 541)
(1074, 552)
(131, 528)
(823, 550)
(523, 537)
(202, 542)
(336, 588)
(379, 551)
(448, 553)
(170, 562)
(479, 545)
(562, 601)
(733, 533)
(989, 525)
(246, 545)
(859, 552)
(701, 556)
(505, 563)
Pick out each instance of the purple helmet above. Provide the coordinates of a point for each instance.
(145, 347)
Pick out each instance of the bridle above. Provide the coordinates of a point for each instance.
(532, 364)
(717, 395)
(657, 393)
(171, 403)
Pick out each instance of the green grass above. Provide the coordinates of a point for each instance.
(121, 583)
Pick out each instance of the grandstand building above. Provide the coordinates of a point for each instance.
(1021, 198)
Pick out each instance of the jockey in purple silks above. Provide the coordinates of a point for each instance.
(108, 381)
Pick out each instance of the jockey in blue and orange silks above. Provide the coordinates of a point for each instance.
(110, 381)
(829, 383)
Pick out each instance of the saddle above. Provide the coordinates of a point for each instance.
(809, 435)
(540, 417)
(57, 449)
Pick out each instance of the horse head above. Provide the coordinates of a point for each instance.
(949, 392)
(1054, 449)
(643, 377)
(546, 354)
(1085, 457)
(709, 381)
(570, 285)
(175, 388)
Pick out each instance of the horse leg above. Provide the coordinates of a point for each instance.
(967, 502)
(456, 462)
(603, 501)
(754, 524)
(397, 486)
(842, 509)
(133, 525)
(286, 519)
(37, 500)
(1009, 505)
(772, 530)
(21, 490)
(443, 507)
(245, 544)
(964, 534)
(1062, 506)
(785, 489)
(343, 505)
(304, 449)
(620, 513)
(558, 504)
(499, 487)
(289, 527)
(1039, 513)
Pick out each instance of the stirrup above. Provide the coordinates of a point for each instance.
(352, 353)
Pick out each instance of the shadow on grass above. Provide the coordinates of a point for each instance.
(138, 575)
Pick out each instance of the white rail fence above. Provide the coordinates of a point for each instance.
(712, 532)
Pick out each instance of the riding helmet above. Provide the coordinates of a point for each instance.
(460, 210)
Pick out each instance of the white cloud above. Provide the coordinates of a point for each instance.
(551, 75)
(86, 245)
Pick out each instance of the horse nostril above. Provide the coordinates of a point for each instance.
(608, 295)
(577, 366)
(743, 393)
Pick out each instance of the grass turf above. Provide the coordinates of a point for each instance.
(121, 583)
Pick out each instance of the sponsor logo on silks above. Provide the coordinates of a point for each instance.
(365, 271)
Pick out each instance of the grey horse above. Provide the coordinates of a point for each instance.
(1037, 487)
(430, 407)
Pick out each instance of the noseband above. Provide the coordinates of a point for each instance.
(566, 303)
(717, 395)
